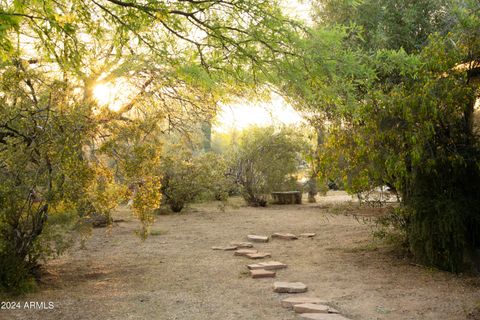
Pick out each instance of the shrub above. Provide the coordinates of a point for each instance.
(188, 176)
(265, 160)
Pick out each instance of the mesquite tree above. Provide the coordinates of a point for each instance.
(397, 83)
(61, 151)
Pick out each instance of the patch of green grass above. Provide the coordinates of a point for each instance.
(367, 247)
(244, 274)
(158, 232)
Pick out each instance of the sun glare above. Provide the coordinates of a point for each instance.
(111, 95)
(241, 115)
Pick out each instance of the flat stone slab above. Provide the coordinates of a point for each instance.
(262, 273)
(226, 248)
(285, 236)
(256, 238)
(332, 310)
(244, 252)
(308, 235)
(313, 308)
(289, 287)
(322, 316)
(291, 301)
(242, 244)
(287, 197)
(259, 255)
(270, 265)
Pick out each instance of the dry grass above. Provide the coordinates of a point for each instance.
(176, 275)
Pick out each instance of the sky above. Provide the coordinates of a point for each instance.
(298, 9)
(277, 111)
(236, 115)
(242, 115)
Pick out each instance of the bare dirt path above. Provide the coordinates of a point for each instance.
(175, 274)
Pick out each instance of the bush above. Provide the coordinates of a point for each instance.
(265, 160)
(15, 274)
(188, 176)
(51, 171)
(445, 213)
(30, 237)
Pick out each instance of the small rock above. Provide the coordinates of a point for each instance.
(290, 302)
(289, 287)
(285, 236)
(262, 273)
(227, 248)
(311, 308)
(255, 238)
(242, 244)
(244, 252)
(259, 255)
(270, 265)
(308, 235)
(322, 316)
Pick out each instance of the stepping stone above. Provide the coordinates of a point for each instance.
(310, 308)
(270, 265)
(322, 316)
(313, 308)
(308, 235)
(262, 273)
(290, 302)
(289, 287)
(244, 252)
(242, 244)
(285, 236)
(255, 238)
(227, 248)
(259, 255)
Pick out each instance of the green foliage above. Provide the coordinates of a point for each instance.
(189, 176)
(15, 275)
(42, 169)
(265, 160)
(132, 153)
(391, 227)
(397, 94)
(61, 153)
(147, 197)
(388, 23)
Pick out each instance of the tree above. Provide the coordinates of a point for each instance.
(388, 24)
(401, 115)
(63, 153)
(313, 154)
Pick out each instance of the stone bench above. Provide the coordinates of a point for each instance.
(287, 197)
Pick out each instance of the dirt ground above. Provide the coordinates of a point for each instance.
(175, 274)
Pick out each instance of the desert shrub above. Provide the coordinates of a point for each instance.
(51, 175)
(43, 172)
(444, 218)
(265, 160)
(102, 195)
(392, 227)
(189, 176)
